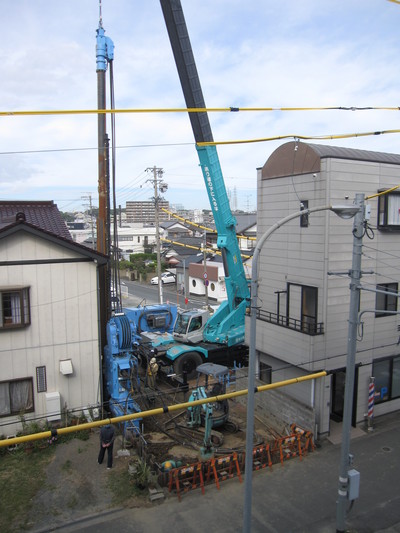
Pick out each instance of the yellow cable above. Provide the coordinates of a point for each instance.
(186, 110)
(188, 221)
(210, 250)
(383, 192)
(303, 137)
(202, 227)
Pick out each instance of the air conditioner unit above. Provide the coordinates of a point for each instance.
(53, 406)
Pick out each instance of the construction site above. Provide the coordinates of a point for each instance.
(170, 376)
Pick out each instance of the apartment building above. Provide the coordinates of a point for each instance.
(303, 306)
(144, 211)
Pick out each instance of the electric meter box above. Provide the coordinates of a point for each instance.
(354, 484)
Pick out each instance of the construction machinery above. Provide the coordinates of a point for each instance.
(181, 340)
(211, 381)
(199, 336)
(122, 358)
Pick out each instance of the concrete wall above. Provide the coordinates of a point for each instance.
(278, 405)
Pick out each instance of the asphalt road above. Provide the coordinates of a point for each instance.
(147, 294)
(299, 497)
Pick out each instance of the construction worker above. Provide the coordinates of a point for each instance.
(152, 370)
(107, 437)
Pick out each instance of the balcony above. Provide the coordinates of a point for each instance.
(307, 325)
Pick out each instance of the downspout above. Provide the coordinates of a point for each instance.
(99, 344)
(326, 242)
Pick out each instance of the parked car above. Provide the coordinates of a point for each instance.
(166, 277)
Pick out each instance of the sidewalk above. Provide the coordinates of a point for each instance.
(299, 497)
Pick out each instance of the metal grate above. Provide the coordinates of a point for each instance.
(41, 381)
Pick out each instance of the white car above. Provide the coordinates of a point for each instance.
(166, 277)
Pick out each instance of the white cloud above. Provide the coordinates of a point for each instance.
(248, 54)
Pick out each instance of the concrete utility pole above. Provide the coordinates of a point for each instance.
(206, 280)
(158, 184)
(89, 197)
(349, 478)
(104, 56)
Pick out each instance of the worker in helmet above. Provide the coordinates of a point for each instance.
(152, 370)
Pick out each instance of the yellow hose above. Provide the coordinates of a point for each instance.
(155, 412)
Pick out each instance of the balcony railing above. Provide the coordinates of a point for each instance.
(307, 325)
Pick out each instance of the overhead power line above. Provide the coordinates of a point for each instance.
(300, 137)
(189, 110)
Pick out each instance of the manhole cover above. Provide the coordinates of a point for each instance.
(386, 449)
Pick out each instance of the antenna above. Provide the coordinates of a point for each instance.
(100, 16)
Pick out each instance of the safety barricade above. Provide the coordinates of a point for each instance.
(286, 448)
(186, 478)
(218, 469)
(305, 436)
(262, 457)
(222, 468)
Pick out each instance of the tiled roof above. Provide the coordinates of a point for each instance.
(43, 214)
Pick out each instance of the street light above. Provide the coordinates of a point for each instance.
(342, 211)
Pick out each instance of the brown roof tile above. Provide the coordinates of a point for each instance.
(43, 214)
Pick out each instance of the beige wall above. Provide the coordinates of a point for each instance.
(64, 323)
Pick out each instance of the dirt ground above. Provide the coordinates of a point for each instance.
(76, 486)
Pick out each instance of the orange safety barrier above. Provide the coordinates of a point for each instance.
(287, 447)
(223, 468)
(307, 436)
(215, 470)
(186, 478)
(262, 457)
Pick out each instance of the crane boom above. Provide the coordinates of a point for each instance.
(228, 322)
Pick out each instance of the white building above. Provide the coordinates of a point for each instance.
(136, 239)
(303, 312)
(49, 323)
(210, 279)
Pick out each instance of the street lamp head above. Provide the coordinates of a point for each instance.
(345, 211)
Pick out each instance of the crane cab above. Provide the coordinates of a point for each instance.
(189, 326)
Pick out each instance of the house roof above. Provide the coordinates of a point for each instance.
(42, 214)
(245, 221)
(294, 158)
(168, 224)
(11, 224)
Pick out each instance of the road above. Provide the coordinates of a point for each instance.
(299, 497)
(146, 294)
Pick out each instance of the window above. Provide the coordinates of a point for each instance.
(14, 308)
(41, 381)
(195, 323)
(386, 299)
(389, 211)
(16, 397)
(387, 379)
(302, 307)
(304, 218)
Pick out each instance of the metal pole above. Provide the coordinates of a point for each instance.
(205, 267)
(157, 223)
(253, 367)
(355, 276)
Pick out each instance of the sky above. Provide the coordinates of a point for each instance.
(253, 53)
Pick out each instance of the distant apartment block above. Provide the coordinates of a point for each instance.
(145, 211)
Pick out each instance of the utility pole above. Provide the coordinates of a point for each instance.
(158, 184)
(104, 56)
(206, 282)
(349, 478)
(88, 196)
